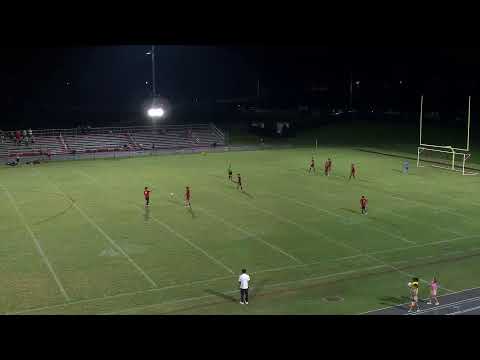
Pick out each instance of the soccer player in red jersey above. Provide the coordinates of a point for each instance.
(187, 197)
(328, 167)
(363, 204)
(239, 182)
(352, 172)
(146, 194)
(312, 166)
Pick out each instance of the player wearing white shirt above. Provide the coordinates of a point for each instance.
(243, 281)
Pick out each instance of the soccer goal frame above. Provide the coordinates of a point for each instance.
(459, 156)
(458, 159)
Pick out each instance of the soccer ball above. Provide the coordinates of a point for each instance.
(171, 194)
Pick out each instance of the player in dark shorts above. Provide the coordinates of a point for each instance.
(328, 167)
(352, 172)
(239, 182)
(230, 173)
(312, 166)
(363, 204)
(146, 194)
(187, 197)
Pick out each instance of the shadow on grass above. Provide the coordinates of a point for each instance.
(400, 302)
(247, 194)
(190, 210)
(229, 298)
(146, 215)
(349, 210)
(258, 288)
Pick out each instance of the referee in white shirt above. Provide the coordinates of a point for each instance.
(243, 281)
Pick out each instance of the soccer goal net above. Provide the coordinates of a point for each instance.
(445, 157)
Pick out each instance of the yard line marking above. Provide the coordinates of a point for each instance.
(408, 218)
(83, 173)
(250, 234)
(37, 243)
(108, 297)
(464, 311)
(452, 293)
(375, 228)
(326, 276)
(105, 235)
(180, 236)
(229, 277)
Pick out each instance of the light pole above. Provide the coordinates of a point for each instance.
(153, 71)
(154, 111)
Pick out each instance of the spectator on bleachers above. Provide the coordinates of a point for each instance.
(18, 137)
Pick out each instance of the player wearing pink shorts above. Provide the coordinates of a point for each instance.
(433, 292)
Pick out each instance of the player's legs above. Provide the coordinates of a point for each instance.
(242, 292)
(246, 296)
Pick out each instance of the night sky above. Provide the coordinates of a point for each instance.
(111, 78)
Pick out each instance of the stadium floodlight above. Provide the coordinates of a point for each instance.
(156, 112)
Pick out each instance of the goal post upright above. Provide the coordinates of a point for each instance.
(421, 119)
(468, 124)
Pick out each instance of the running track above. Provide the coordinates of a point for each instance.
(465, 302)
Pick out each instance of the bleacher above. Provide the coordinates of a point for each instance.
(75, 141)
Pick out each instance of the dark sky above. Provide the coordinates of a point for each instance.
(104, 78)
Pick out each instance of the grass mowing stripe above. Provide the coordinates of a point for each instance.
(106, 236)
(180, 236)
(326, 276)
(37, 243)
(375, 228)
(228, 277)
(250, 234)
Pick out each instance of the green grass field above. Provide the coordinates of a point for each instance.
(77, 239)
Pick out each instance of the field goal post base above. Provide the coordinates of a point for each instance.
(458, 158)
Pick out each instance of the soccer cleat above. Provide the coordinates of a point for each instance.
(437, 303)
(246, 302)
(241, 302)
(410, 310)
(429, 303)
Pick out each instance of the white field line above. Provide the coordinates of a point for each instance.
(408, 218)
(84, 174)
(249, 234)
(189, 242)
(326, 276)
(328, 239)
(37, 243)
(421, 203)
(465, 311)
(229, 277)
(375, 228)
(451, 293)
(105, 235)
(180, 236)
